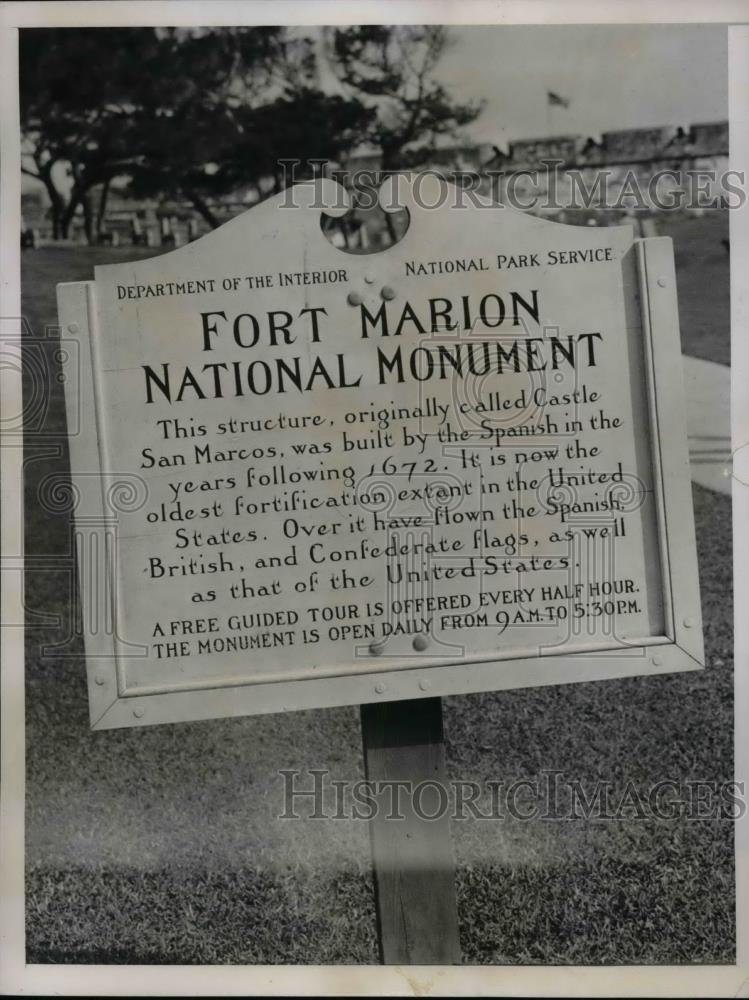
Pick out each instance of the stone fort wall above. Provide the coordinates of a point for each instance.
(623, 157)
(623, 147)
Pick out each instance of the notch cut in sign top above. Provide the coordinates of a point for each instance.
(339, 494)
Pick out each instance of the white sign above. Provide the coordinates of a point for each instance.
(310, 478)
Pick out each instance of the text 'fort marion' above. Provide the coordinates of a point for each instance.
(464, 345)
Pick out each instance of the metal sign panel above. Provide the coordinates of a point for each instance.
(308, 478)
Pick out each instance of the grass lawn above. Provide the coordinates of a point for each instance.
(703, 280)
(162, 845)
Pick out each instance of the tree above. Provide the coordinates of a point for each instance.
(393, 68)
(240, 102)
(183, 113)
(199, 152)
(83, 129)
(77, 88)
(209, 81)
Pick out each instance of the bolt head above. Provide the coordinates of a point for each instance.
(424, 685)
(354, 299)
(369, 278)
(380, 687)
(420, 643)
(657, 661)
(688, 622)
(139, 712)
(377, 647)
(662, 282)
(388, 292)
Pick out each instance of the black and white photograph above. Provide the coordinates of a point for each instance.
(371, 501)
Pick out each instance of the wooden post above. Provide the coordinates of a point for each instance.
(412, 857)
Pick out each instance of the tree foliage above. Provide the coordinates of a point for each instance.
(77, 90)
(182, 113)
(200, 153)
(393, 69)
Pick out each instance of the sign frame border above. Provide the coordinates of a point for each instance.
(679, 649)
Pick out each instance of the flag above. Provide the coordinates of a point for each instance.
(555, 100)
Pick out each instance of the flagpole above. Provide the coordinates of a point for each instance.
(553, 100)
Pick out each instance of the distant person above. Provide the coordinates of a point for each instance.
(28, 237)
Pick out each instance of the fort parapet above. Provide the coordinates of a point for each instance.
(615, 148)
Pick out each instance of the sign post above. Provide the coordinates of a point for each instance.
(412, 855)
(322, 479)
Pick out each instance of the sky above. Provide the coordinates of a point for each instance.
(613, 76)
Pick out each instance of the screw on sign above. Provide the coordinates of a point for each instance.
(397, 417)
